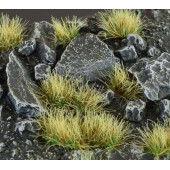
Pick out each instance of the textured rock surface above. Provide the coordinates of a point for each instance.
(27, 47)
(20, 93)
(86, 56)
(1, 91)
(110, 95)
(1, 107)
(154, 52)
(128, 53)
(41, 71)
(137, 41)
(134, 110)
(154, 76)
(46, 55)
(26, 125)
(164, 106)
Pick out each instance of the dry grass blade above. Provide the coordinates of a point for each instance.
(66, 29)
(124, 86)
(12, 32)
(157, 140)
(58, 91)
(72, 130)
(118, 23)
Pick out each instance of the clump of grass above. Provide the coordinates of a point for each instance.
(12, 32)
(156, 141)
(63, 92)
(118, 23)
(66, 29)
(122, 84)
(92, 130)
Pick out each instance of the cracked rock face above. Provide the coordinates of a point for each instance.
(41, 71)
(154, 77)
(134, 110)
(27, 47)
(137, 41)
(88, 57)
(46, 55)
(24, 101)
(164, 106)
(128, 53)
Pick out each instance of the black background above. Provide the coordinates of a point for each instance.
(36, 15)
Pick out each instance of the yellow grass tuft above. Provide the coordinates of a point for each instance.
(157, 140)
(12, 32)
(66, 29)
(123, 85)
(58, 91)
(72, 130)
(118, 23)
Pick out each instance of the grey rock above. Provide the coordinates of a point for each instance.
(154, 76)
(164, 106)
(41, 71)
(20, 94)
(154, 52)
(45, 54)
(134, 110)
(1, 107)
(87, 56)
(2, 145)
(27, 47)
(28, 125)
(137, 41)
(110, 95)
(42, 30)
(1, 91)
(128, 53)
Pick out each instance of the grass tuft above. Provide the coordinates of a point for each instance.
(122, 84)
(156, 141)
(72, 130)
(64, 92)
(12, 32)
(66, 29)
(118, 23)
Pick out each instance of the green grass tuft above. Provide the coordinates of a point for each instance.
(118, 23)
(66, 29)
(12, 32)
(71, 129)
(122, 84)
(156, 141)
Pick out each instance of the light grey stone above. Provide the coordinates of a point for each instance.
(154, 52)
(20, 92)
(137, 41)
(26, 125)
(164, 106)
(134, 110)
(154, 76)
(41, 71)
(128, 53)
(87, 56)
(27, 47)
(110, 95)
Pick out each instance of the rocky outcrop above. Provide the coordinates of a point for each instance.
(154, 76)
(134, 110)
(41, 71)
(19, 82)
(128, 53)
(45, 54)
(164, 106)
(27, 47)
(86, 56)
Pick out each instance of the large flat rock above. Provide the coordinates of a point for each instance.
(154, 76)
(19, 84)
(87, 56)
